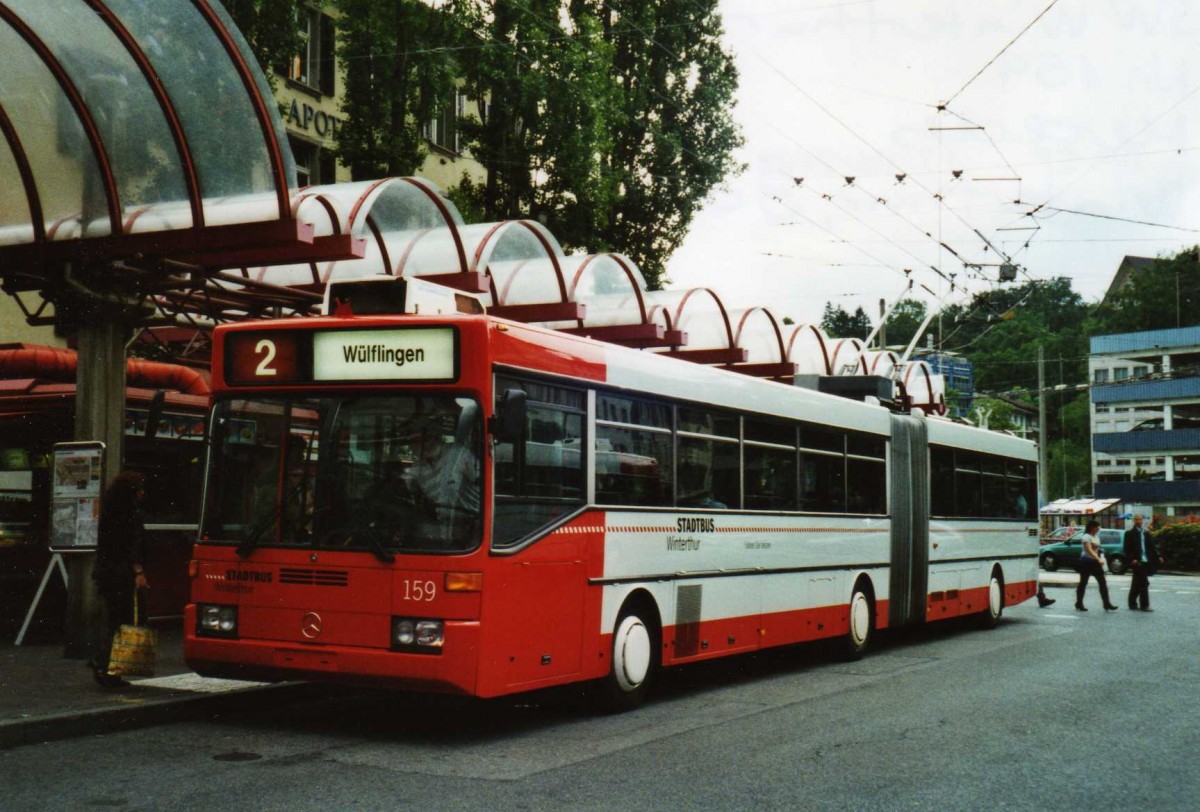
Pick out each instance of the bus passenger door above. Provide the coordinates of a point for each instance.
(909, 579)
(535, 626)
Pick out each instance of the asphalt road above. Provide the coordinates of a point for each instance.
(1055, 709)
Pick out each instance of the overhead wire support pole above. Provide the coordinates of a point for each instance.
(1042, 451)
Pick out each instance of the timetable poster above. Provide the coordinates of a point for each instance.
(77, 481)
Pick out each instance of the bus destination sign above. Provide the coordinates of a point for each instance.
(413, 354)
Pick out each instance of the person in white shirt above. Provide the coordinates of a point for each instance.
(1091, 566)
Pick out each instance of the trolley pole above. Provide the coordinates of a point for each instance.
(1042, 452)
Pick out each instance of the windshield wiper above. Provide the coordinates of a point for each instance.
(259, 530)
(377, 547)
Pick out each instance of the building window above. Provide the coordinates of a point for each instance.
(1100, 376)
(1122, 462)
(442, 131)
(1121, 374)
(313, 165)
(313, 65)
(1141, 372)
(1102, 410)
(1103, 462)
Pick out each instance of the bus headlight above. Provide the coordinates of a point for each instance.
(214, 620)
(416, 634)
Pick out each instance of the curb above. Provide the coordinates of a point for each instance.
(73, 724)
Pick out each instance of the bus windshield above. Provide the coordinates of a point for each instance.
(382, 474)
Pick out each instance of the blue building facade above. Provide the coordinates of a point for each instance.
(1145, 416)
(959, 375)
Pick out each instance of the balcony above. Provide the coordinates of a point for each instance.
(1180, 492)
(1130, 442)
(1147, 391)
(1147, 341)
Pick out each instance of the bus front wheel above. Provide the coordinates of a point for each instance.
(635, 659)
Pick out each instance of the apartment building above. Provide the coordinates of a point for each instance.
(1145, 419)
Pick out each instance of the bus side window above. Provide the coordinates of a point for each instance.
(539, 477)
(941, 481)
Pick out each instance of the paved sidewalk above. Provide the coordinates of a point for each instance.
(44, 696)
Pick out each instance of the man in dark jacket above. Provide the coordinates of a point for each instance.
(1143, 558)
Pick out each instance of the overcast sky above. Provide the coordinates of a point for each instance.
(1095, 108)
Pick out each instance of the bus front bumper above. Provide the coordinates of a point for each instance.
(452, 669)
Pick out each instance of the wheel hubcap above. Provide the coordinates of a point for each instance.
(631, 653)
(994, 598)
(860, 618)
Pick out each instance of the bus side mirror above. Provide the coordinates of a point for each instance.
(509, 421)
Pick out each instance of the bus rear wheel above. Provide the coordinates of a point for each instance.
(989, 618)
(862, 624)
(635, 661)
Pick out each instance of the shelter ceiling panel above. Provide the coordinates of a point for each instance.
(146, 164)
(66, 175)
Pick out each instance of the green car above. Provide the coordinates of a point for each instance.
(1067, 553)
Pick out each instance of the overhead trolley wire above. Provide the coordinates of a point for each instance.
(1111, 217)
(990, 62)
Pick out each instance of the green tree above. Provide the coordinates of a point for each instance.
(674, 131)
(1001, 329)
(608, 120)
(547, 98)
(903, 321)
(1068, 470)
(993, 414)
(837, 323)
(400, 73)
(272, 30)
(1165, 294)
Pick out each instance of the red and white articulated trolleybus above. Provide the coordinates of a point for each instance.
(463, 504)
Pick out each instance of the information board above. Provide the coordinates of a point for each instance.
(78, 480)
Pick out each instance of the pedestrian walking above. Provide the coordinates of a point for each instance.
(120, 551)
(1043, 601)
(1144, 560)
(1091, 566)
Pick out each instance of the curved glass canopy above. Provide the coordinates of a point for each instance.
(143, 130)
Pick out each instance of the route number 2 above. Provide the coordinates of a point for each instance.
(419, 590)
(265, 348)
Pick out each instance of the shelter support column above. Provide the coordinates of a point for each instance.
(99, 415)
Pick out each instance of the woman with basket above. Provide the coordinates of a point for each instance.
(120, 551)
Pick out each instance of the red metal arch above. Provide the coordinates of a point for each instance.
(484, 246)
(820, 336)
(729, 354)
(26, 172)
(879, 356)
(637, 291)
(445, 212)
(774, 326)
(860, 366)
